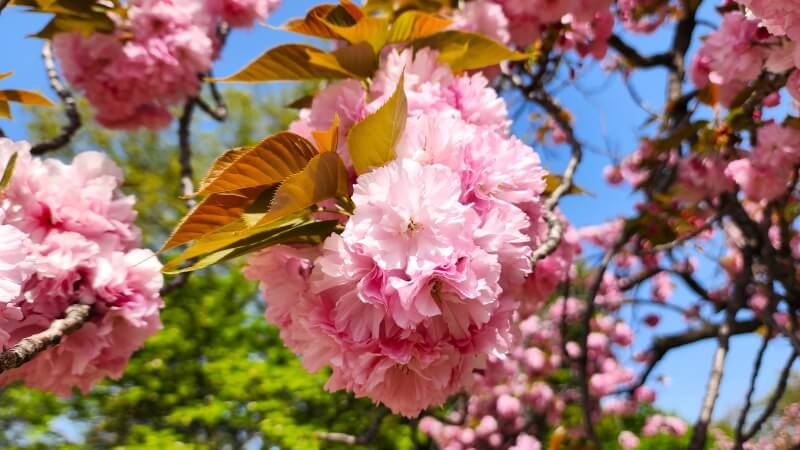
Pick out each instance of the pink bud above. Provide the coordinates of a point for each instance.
(508, 406)
(535, 359)
(644, 394)
(613, 175)
(772, 100)
(628, 440)
(652, 320)
(487, 426)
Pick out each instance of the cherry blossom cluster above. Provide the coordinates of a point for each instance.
(516, 401)
(422, 284)
(761, 36)
(580, 25)
(154, 59)
(68, 238)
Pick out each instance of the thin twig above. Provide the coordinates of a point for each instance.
(70, 107)
(773, 402)
(219, 112)
(556, 229)
(670, 306)
(583, 361)
(25, 350)
(740, 424)
(634, 58)
(185, 157)
(665, 344)
(187, 182)
(365, 438)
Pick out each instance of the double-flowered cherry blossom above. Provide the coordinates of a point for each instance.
(71, 240)
(153, 60)
(423, 282)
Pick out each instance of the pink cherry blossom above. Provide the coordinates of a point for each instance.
(73, 242)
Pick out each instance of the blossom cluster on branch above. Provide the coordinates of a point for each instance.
(68, 238)
(420, 285)
(156, 57)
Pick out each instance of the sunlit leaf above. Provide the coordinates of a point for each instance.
(328, 140)
(219, 166)
(8, 172)
(413, 25)
(213, 213)
(372, 141)
(24, 97)
(269, 162)
(254, 239)
(373, 30)
(324, 178)
(467, 51)
(312, 24)
(4, 75)
(358, 60)
(5, 110)
(552, 182)
(290, 62)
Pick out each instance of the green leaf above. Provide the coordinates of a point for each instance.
(290, 62)
(372, 141)
(468, 51)
(8, 172)
(270, 162)
(256, 239)
(324, 178)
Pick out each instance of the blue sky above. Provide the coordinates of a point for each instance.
(607, 120)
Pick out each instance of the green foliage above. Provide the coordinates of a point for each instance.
(217, 376)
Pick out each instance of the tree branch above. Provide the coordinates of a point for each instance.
(663, 345)
(219, 111)
(365, 438)
(773, 402)
(70, 107)
(25, 350)
(740, 424)
(700, 433)
(634, 58)
(3, 4)
(556, 229)
(185, 156)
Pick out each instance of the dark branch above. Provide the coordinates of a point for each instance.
(556, 229)
(185, 143)
(3, 4)
(773, 402)
(634, 58)
(74, 317)
(740, 424)
(663, 345)
(70, 107)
